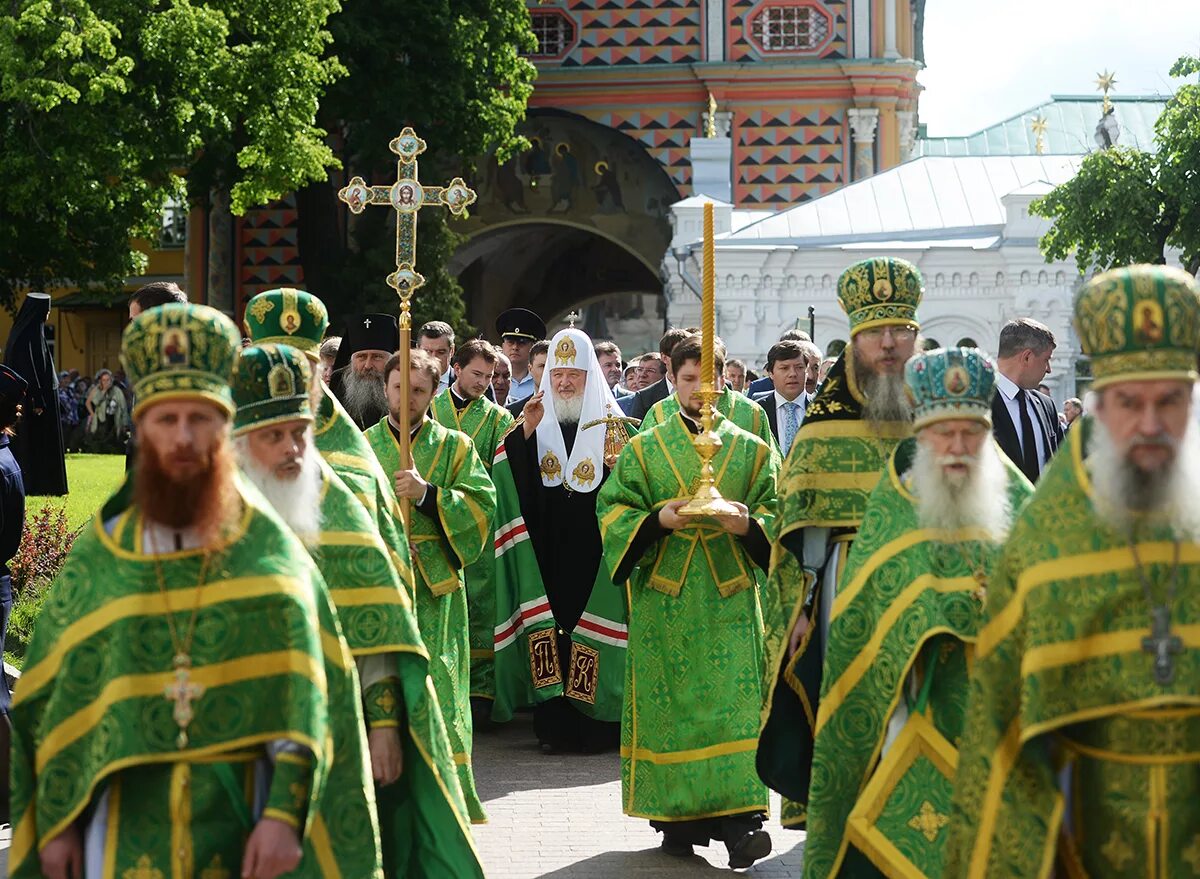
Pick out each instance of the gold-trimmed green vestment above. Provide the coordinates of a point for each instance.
(447, 538)
(1075, 758)
(833, 465)
(93, 727)
(909, 598)
(737, 407)
(423, 817)
(694, 673)
(485, 423)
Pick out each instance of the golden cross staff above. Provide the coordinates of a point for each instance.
(406, 196)
(707, 500)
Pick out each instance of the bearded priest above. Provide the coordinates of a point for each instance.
(188, 706)
(907, 613)
(423, 823)
(560, 627)
(859, 415)
(1081, 754)
(297, 318)
(452, 503)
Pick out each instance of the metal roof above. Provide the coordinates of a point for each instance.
(930, 198)
(1070, 128)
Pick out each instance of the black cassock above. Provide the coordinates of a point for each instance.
(38, 444)
(566, 538)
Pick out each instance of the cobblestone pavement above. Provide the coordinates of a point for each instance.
(559, 817)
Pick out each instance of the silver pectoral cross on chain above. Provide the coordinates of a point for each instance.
(1162, 645)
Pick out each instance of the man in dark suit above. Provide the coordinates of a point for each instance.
(1025, 420)
(760, 386)
(637, 405)
(787, 366)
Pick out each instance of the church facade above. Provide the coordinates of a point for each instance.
(959, 211)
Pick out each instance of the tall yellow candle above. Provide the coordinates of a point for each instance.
(708, 309)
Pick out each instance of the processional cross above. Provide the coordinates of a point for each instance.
(406, 196)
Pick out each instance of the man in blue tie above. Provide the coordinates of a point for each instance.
(787, 366)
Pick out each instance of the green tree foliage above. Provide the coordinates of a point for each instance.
(106, 105)
(1128, 206)
(451, 69)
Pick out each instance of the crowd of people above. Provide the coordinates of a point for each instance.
(958, 633)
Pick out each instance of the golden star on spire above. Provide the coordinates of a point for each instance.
(1039, 126)
(1106, 82)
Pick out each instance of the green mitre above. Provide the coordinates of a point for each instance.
(270, 385)
(180, 352)
(287, 317)
(1139, 323)
(879, 293)
(950, 383)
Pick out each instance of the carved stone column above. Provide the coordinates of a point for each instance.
(864, 122)
(906, 122)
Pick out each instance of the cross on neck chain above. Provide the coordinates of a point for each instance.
(182, 692)
(1160, 643)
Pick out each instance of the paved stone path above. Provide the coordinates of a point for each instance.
(553, 817)
(560, 818)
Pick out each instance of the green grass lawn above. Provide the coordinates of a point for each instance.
(92, 479)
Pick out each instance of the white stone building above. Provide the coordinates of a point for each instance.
(959, 211)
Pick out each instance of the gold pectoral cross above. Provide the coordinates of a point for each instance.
(182, 692)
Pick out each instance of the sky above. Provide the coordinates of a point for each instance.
(987, 60)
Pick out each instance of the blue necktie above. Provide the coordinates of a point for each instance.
(790, 426)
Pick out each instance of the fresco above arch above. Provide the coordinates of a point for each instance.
(582, 174)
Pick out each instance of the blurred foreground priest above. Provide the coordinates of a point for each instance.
(860, 413)
(189, 706)
(422, 814)
(907, 614)
(1081, 751)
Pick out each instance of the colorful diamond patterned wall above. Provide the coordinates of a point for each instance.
(665, 134)
(270, 255)
(614, 33)
(787, 154)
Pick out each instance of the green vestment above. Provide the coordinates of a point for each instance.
(423, 816)
(485, 423)
(92, 719)
(909, 596)
(693, 682)
(834, 463)
(347, 451)
(738, 408)
(466, 502)
(1075, 759)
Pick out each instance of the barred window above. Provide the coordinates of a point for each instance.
(555, 33)
(789, 28)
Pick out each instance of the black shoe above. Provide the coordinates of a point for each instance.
(676, 848)
(747, 849)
